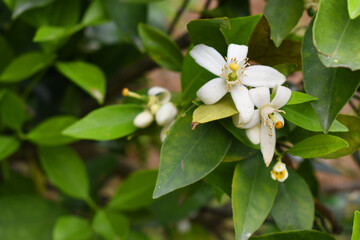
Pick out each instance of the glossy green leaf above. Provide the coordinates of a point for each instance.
(263, 50)
(12, 110)
(306, 171)
(222, 177)
(238, 151)
(317, 146)
(49, 132)
(106, 123)
(111, 225)
(94, 14)
(6, 53)
(295, 235)
(356, 226)
(66, 170)
(336, 35)
(352, 136)
(193, 158)
(303, 115)
(161, 48)
(353, 8)
(72, 227)
(294, 206)
(135, 192)
(21, 6)
(87, 76)
(210, 33)
(299, 97)
(8, 146)
(52, 33)
(27, 217)
(332, 86)
(253, 194)
(29, 63)
(222, 109)
(283, 16)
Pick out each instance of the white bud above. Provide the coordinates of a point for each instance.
(162, 94)
(166, 114)
(143, 119)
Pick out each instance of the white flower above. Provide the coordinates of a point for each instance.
(279, 172)
(233, 74)
(267, 113)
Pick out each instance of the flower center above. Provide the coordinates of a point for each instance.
(278, 175)
(233, 72)
(267, 113)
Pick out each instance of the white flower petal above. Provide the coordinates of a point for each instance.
(237, 51)
(166, 114)
(212, 91)
(143, 119)
(279, 167)
(208, 58)
(163, 94)
(260, 96)
(282, 96)
(254, 134)
(243, 103)
(262, 76)
(285, 176)
(254, 120)
(165, 131)
(267, 143)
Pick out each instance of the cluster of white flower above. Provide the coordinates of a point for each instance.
(235, 73)
(157, 104)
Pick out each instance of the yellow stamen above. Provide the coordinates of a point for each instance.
(125, 92)
(234, 66)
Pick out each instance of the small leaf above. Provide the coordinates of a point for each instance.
(21, 6)
(6, 53)
(353, 8)
(12, 110)
(51, 33)
(295, 235)
(253, 194)
(66, 170)
(222, 109)
(356, 226)
(135, 192)
(49, 132)
(294, 206)
(94, 14)
(87, 76)
(317, 146)
(72, 227)
(198, 152)
(111, 225)
(106, 123)
(29, 63)
(8, 146)
(161, 48)
(299, 97)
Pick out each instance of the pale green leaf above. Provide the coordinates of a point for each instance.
(8, 146)
(71, 228)
(111, 225)
(299, 97)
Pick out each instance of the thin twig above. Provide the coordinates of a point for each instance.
(336, 228)
(177, 16)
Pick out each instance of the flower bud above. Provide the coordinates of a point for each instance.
(166, 114)
(279, 172)
(143, 119)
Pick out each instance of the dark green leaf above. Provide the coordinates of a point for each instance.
(285, 68)
(135, 192)
(71, 228)
(161, 48)
(222, 177)
(332, 86)
(29, 63)
(356, 226)
(253, 194)
(198, 152)
(21, 6)
(6, 53)
(283, 16)
(318, 145)
(106, 123)
(299, 97)
(12, 111)
(353, 8)
(8, 145)
(306, 171)
(336, 35)
(66, 170)
(296, 235)
(111, 225)
(294, 206)
(238, 151)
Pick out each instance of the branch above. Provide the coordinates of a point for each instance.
(336, 228)
(177, 16)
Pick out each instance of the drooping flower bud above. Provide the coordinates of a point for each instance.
(279, 172)
(143, 119)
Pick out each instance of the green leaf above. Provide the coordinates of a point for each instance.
(253, 194)
(294, 206)
(8, 146)
(198, 152)
(27, 217)
(52, 33)
(6, 53)
(135, 192)
(263, 50)
(161, 48)
(72, 227)
(332, 86)
(306, 171)
(356, 226)
(222, 109)
(111, 225)
(303, 115)
(139, 1)
(317, 146)
(296, 235)
(299, 97)
(210, 33)
(283, 15)
(352, 136)
(238, 151)
(29, 63)
(21, 6)
(12, 110)
(222, 177)
(66, 170)
(87, 76)
(336, 35)
(285, 68)
(49, 132)
(353, 8)
(106, 123)
(94, 14)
